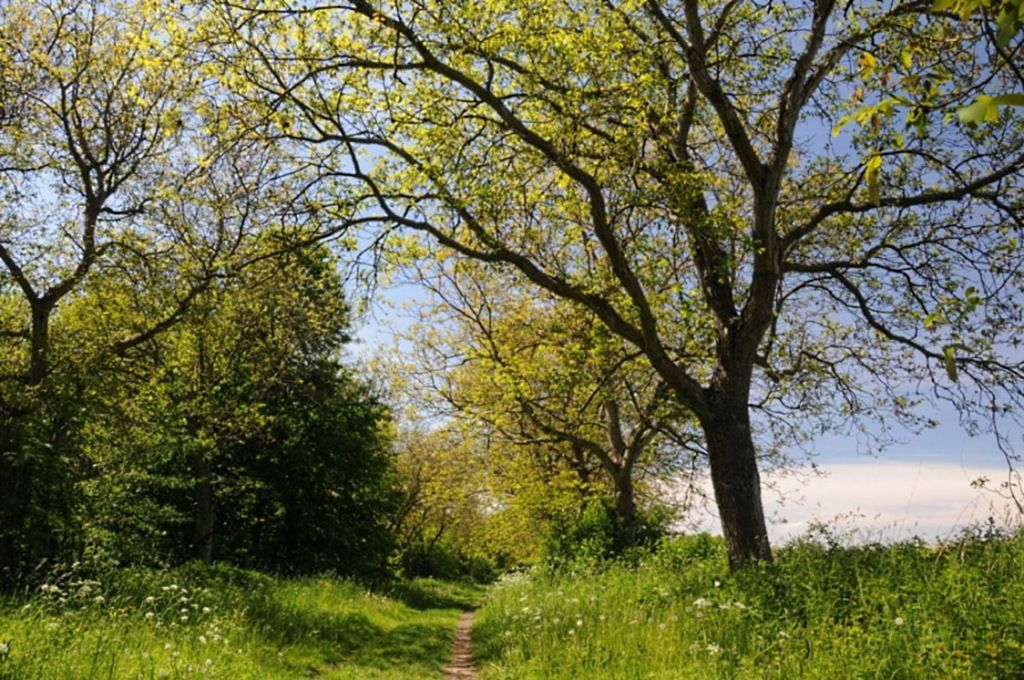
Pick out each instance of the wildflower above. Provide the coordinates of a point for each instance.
(579, 622)
(898, 620)
(601, 617)
(202, 639)
(5, 648)
(206, 610)
(52, 625)
(702, 602)
(718, 584)
(674, 618)
(209, 662)
(556, 620)
(149, 615)
(150, 600)
(572, 631)
(98, 599)
(713, 648)
(167, 645)
(661, 626)
(163, 673)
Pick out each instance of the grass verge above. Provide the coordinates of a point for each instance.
(220, 622)
(820, 611)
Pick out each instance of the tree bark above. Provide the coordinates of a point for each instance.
(202, 541)
(737, 483)
(625, 506)
(39, 361)
(204, 509)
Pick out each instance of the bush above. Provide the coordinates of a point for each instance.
(597, 535)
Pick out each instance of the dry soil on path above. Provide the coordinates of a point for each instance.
(461, 666)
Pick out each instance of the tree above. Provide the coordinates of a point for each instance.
(667, 166)
(112, 155)
(537, 373)
(235, 434)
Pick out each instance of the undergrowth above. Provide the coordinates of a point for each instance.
(220, 622)
(822, 610)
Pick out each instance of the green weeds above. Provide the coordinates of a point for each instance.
(220, 622)
(821, 611)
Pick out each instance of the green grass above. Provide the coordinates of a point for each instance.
(227, 623)
(821, 611)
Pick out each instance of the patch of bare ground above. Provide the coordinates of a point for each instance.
(461, 665)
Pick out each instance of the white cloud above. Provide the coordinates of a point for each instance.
(879, 500)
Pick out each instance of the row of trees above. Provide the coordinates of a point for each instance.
(169, 337)
(662, 235)
(667, 167)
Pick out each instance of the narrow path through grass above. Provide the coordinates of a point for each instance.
(461, 666)
(222, 622)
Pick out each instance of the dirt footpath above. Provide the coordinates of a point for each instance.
(461, 665)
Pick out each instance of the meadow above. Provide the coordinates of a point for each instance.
(220, 622)
(822, 610)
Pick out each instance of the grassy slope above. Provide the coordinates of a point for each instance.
(227, 623)
(905, 611)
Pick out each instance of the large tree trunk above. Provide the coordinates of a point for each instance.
(203, 541)
(625, 506)
(736, 483)
(202, 473)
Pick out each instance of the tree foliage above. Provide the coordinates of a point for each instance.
(169, 367)
(667, 167)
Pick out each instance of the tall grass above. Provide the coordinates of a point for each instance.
(821, 610)
(224, 623)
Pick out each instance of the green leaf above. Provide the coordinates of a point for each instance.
(872, 171)
(1007, 25)
(1014, 99)
(907, 57)
(840, 123)
(950, 360)
(984, 109)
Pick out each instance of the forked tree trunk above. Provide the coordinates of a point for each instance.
(737, 483)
